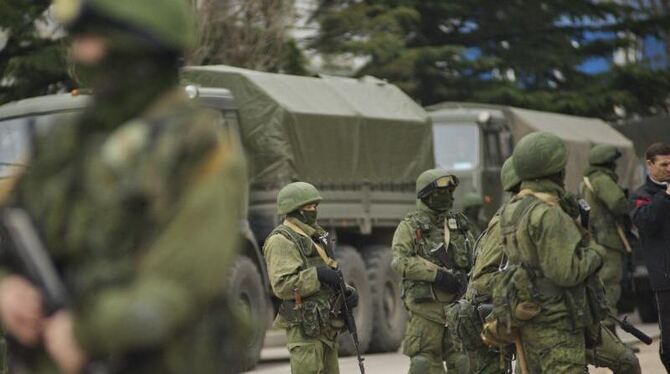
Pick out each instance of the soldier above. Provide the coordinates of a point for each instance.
(432, 253)
(609, 209)
(610, 351)
(550, 260)
(488, 259)
(472, 207)
(303, 277)
(138, 205)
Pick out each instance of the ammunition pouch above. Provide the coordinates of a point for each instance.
(514, 298)
(315, 317)
(419, 292)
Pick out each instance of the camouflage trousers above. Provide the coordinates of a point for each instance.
(429, 346)
(554, 348)
(612, 353)
(311, 355)
(611, 274)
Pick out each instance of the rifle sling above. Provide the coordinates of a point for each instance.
(319, 249)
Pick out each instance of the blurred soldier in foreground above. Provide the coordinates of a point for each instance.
(138, 205)
(432, 250)
(609, 211)
(543, 299)
(305, 278)
(472, 207)
(651, 215)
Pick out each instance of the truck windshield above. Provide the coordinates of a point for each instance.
(456, 146)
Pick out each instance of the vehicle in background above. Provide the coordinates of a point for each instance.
(361, 142)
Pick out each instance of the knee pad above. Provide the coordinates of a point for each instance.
(419, 365)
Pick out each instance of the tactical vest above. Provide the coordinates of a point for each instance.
(523, 289)
(317, 314)
(428, 237)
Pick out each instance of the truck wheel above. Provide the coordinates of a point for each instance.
(646, 307)
(389, 315)
(246, 287)
(353, 269)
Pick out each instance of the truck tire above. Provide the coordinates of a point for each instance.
(353, 269)
(246, 288)
(389, 315)
(646, 307)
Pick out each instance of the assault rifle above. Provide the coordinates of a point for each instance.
(24, 246)
(629, 328)
(347, 313)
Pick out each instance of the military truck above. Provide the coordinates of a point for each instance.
(361, 142)
(473, 140)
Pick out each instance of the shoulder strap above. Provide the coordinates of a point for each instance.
(319, 249)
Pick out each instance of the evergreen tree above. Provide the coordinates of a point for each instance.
(31, 63)
(529, 53)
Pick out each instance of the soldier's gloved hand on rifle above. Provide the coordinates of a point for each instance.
(328, 276)
(351, 297)
(447, 281)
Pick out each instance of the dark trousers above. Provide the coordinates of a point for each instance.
(663, 303)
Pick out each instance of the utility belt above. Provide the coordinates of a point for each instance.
(316, 316)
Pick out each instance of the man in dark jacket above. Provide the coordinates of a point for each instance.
(651, 215)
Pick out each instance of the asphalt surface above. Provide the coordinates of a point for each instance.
(275, 359)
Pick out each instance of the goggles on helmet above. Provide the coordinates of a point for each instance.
(447, 181)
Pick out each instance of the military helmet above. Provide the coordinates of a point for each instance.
(538, 155)
(508, 176)
(432, 179)
(472, 199)
(603, 154)
(167, 24)
(295, 195)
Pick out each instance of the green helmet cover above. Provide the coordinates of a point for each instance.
(431, 179)
(167, 22)
(472, 199)
(538, 155)
(603, 154)
(295, 195)
(508, 176)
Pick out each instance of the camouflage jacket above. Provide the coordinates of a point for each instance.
(548, 241)
(292, 260)
(488, 257)
(420, 232)
(142, 221)
(608, 203)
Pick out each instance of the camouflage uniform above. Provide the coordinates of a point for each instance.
(539, 235)
(427, 342)
(488, 259)
(139, 204)
(610, 352)
(609, 207)
(307, 304)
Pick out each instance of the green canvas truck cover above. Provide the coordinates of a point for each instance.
(579, 134)
(331, 131)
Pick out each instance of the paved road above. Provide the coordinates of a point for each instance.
(275, 360)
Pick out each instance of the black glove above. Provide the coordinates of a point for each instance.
(351, 297)
(328, 276)
(447, 281)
